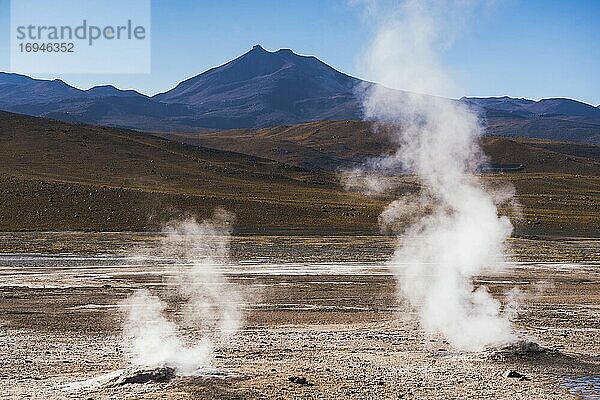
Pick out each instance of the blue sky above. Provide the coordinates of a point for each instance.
(528, 48)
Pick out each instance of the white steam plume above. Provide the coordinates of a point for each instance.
(455, 231)
(365, 182)
(210, 304)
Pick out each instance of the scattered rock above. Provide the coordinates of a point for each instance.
(160, 374)
(520, 349)
(514, 374)
(300, 380)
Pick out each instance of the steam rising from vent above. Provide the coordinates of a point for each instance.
(449, 231)
(211, 304)
(365, 182)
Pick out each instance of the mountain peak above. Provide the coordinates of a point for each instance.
(258, 49)
(110, 90)
(281, 87)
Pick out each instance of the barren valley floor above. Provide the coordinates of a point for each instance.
(322, 308)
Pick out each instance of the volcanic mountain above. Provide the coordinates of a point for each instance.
(263, 88)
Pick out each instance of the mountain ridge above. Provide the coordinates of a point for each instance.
(261, 88)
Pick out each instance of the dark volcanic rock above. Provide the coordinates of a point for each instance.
(160, 374)
(516, 375)
(520, 349)
(300, 380)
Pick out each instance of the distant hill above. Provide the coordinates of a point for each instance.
(553, 119)
(334, 145)
(62, 176)
(100, 105)
(525, 107)
(266, 89)
(21, 89)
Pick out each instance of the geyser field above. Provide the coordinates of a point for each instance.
(323, 309)
(403, 255)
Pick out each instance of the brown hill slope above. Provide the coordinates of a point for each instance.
(558, 185)
(59, 176)
(55, 175)
(330, 145)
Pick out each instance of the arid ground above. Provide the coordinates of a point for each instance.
(320, 308)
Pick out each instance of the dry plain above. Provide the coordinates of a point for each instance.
(322, 308)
